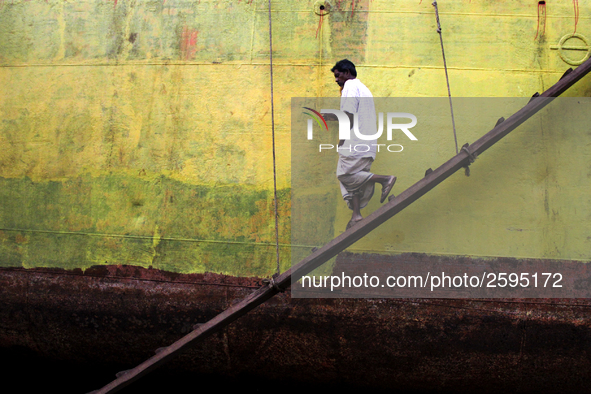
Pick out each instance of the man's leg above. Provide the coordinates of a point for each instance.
(387, 182)
(355, 204)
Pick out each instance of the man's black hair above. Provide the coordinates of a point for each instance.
(344, 66)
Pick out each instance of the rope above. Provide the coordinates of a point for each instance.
(471, 158)
(273, 137)
(453, 122)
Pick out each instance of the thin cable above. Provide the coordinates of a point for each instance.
(273, 137)
(576, 5)
(453, 122)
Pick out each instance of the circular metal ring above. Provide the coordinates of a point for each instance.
(561, 47)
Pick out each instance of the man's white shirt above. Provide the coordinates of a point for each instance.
(357, 99)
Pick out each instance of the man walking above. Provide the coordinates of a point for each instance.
(353, 169)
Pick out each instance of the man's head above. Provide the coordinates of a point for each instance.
(343, 71)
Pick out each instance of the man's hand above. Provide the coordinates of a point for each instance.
(333, 118)
(330, 117)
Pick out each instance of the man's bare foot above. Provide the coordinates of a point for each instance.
(353, 222)
(387, 187)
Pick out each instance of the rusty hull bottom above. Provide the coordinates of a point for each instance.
(121, 314)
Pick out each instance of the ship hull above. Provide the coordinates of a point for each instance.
(120, 315)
